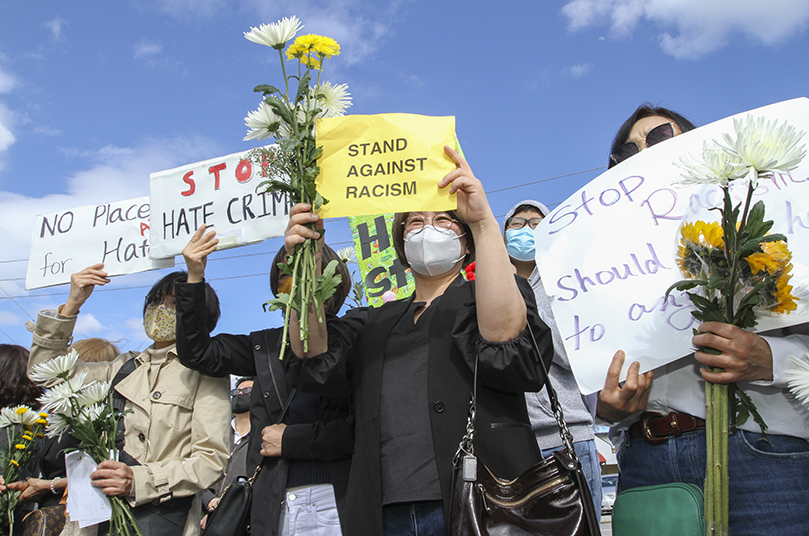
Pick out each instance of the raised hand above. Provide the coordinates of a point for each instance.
(81, 286)
(196, 253)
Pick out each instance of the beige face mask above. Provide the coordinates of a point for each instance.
(160, 323)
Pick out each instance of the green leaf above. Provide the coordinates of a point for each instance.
(266, 89)
(327, 282)
(684, 284)
(288, 145)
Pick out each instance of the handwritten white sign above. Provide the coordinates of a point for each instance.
(221, 193)
(606, 255)
(116, 234)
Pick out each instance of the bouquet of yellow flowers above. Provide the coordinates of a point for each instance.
(290, 167)
(23, 427)
(735, 270)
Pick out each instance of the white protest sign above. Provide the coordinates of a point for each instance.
(221, 193)
(116, 234)
(606, 255)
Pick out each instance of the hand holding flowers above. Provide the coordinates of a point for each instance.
(87, 412)
(23, 427)
(739, 271)
(290, 167)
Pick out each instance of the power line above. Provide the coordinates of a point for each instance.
(557, 177)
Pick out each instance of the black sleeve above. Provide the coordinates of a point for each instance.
(511, 366)
(324, 441)
(217, 356)
(328, 373)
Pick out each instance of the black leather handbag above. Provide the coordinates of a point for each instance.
(551, 498)
(231, 517)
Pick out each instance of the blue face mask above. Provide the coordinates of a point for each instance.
(521, 243)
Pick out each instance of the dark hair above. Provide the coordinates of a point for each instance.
(643, 111)
(398, 237)
(16, 388)
(165, 287)
(245, 379)
(327, 255)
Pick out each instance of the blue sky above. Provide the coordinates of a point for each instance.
(95, 96)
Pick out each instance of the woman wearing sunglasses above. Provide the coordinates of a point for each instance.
(659, 428)
(409, 364)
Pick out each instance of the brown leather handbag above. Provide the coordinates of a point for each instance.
(47, 521)
(551, 498)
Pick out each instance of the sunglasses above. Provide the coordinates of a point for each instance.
(653, 137)
(242, 391)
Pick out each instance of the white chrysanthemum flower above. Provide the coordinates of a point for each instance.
(92, 412)
(262, 123)
(347, 254)
(58, 367)
(8, 416)
(29, 417)
(275, 34)
(765, 146)
(93, 393)
(57, 425)
(57, 398)
(798, 379)
(714, 165)
(332, 100)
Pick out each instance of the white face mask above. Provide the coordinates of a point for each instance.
(433, 251)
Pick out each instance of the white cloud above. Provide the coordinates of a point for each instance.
(87, 323)
(692, 28)
(7, 81)
(358, 26)
(146, 49)
(577, 71)
(7, 318)
(56, 26)
(114, 173)
(7, 137)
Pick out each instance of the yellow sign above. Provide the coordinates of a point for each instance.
(374, 164)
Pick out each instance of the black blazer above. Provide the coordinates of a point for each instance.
(503, 436)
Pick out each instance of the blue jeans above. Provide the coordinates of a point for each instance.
(769, 483)
(587, 452)
(423, 518)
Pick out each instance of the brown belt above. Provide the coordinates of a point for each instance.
(656, 428)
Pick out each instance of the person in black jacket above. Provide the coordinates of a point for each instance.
(305, 456)
(409, 364)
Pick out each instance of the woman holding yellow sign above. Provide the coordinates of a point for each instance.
(409, 364)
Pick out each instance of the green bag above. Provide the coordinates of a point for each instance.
(666, 510)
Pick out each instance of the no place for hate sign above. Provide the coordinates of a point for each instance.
(66, 242)
(606, 255)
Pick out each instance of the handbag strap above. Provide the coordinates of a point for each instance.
(564, 431)
(467, 447)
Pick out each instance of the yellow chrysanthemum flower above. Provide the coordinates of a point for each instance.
(15, 462)
(19, 446)
(21, 410)
(704, 234)
(39, 434)
(326, 47)
(41, 421)
(312, 63)
(27, 437)
(43, 414)
(785, 301)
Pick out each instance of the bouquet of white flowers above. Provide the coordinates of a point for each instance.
(86, 411)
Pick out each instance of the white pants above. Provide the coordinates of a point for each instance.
(310, 511)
